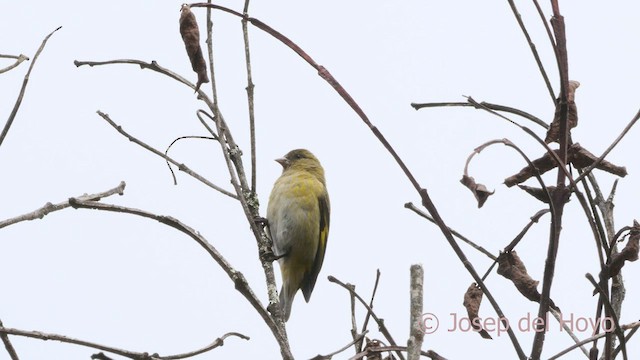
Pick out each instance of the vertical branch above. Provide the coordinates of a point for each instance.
(250, 86)
(557, 22)
(232, 155)
(416, 335)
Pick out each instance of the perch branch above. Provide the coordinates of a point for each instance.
(236, 277)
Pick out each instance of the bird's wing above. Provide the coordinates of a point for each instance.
(310, 278)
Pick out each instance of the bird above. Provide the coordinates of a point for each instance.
(298, 224)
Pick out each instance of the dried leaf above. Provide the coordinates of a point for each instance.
(480, 191)
(582, 158)
(628, 253)
(543, 164)
(191, 37)
(540, 194)
(553, 134)
(511, 267)
(576, 155)
(472, 300)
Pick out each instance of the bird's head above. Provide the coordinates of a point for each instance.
(304, 160)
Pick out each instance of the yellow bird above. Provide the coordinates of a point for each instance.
(298, 218)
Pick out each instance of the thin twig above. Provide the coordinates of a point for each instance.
(16, 106)
(126, 353)
(512, 245)
(469, 242)
(368, 315)
(613, 145)
(381, 326)
(236, 277)
(250, 87)
(216, 343)
(49, 207)
(565, 327)
(633, 326)
(491, 106)
(534, 51)
(367, 352)
(329, 356)
(611, 313)
(19, 59)
(182, 167)
(543, 18)
(7, 344)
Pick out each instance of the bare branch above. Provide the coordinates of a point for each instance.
(238, 279)
(534, 51)
(633, 326)
(19, 59)
(181, 166)
(481, 249)
(7, 344)
(250, 87)
(331, 355)
(49, 207)
(16, 106)
(126, 353)
(381, 326)
(416, 333)
(483, 104)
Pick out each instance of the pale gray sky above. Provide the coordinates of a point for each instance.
(135, 284)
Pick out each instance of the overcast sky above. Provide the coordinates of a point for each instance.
(135, 284)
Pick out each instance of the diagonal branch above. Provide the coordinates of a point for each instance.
(49, 207)
(181, 166)
(19, 59)
(16, 106)
(238, 279)
(125, 353)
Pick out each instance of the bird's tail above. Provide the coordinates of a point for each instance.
(286, 300)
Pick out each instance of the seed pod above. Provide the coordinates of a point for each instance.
(191, 37)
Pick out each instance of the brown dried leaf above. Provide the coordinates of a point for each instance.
(543, 164)
(582, 158)
(191, 37)
(553, 134)
(511, 267)
(540, 194)
(472, 300)
(480, 191)
(628, 253)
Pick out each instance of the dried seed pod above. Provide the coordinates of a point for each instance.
(628, 253)
(472, 300)
(511, 267)
(576, 155)
(582, 158)
(553, 134)
(191, 37)
(480, 191)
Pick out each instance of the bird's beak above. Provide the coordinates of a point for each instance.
(284, 162)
